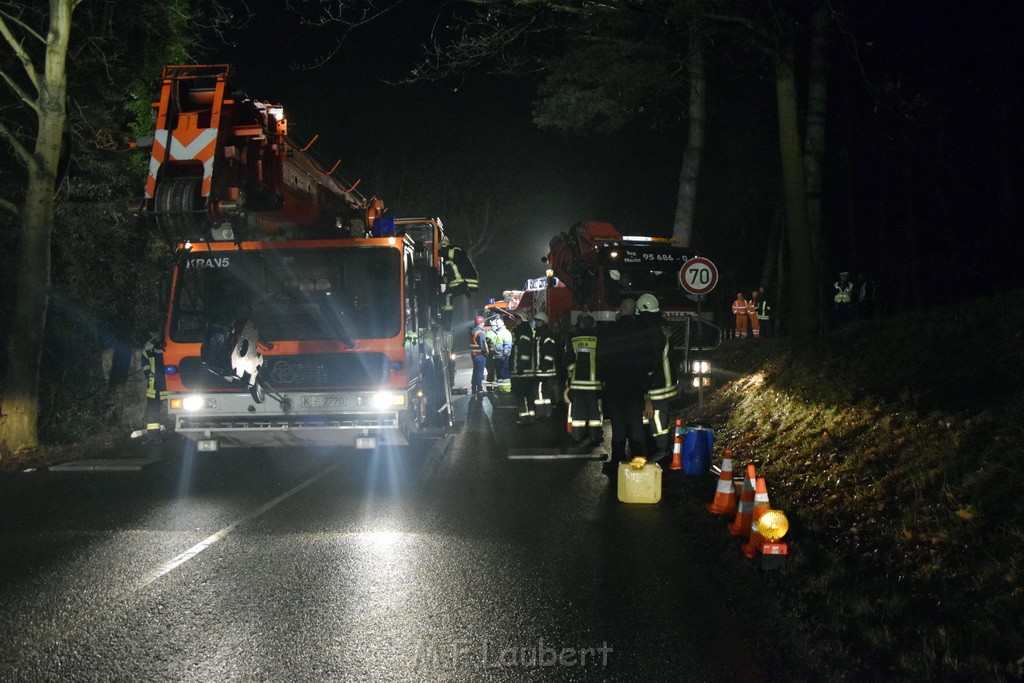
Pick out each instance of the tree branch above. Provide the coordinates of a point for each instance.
(9, 206)
(14, 142)
(19, 51)
(24, 96)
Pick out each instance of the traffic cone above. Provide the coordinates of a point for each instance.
(761, 506)
(677, 447)
(725, 502)
(745, 511)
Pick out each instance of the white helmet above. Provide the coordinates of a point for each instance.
(647, 303)
(541, 317)
(497, 323)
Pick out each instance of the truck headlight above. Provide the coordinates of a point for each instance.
(193, 403)
(387, 399)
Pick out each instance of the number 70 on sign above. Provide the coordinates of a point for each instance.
(698, 275)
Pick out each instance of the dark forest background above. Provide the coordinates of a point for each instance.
(923, 174)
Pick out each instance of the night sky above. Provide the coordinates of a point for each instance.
(923, 158)
(628, 179)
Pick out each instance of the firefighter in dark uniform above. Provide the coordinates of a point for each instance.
(545, 360)
(663, 377)
(585, 418)
(458, 277)
(156, 384)
(523, 370)
(624, 369)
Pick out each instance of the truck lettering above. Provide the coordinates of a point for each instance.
(218, 262)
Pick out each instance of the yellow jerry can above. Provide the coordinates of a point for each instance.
(639, 485)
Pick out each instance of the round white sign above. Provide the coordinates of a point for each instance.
(698, 275)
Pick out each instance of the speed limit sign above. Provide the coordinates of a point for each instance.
(698, 275)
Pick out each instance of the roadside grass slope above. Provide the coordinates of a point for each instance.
(895, 448)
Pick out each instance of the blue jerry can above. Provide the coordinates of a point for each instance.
(698, 444)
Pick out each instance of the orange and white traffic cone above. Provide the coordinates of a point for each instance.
(677, 447)
(761, 506)
(745, 512)
(725, 502)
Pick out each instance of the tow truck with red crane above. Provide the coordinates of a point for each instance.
(298, 311)
(593, 267)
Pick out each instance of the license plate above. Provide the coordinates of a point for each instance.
(322, 401)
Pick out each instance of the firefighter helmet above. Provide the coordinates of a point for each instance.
(497, 323)
(647, 303)
(585, 321)
(541, 317)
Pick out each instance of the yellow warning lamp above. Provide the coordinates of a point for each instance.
(773, 525)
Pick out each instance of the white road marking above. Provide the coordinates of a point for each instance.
(548, 454)
(226, 531)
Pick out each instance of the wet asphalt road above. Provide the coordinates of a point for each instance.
(447, 561)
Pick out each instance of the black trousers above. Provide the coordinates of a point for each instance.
(624, 407)
(585, 418)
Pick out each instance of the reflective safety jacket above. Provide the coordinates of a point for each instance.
(523, 350)
(491, 335)
(663, 381)
(582, 358)
(153, 368)
(478, 341)
(459, 271)
(843, 292)
(545, 353)
(739, 307)
(763, 309)
(503, 343)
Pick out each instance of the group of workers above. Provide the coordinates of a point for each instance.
(625, 371)
(751, 312)
(490, 347)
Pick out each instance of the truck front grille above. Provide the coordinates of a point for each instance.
(296, 372)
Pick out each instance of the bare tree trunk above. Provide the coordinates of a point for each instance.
(20, 408)
(686, 201)
(780, 268)
(804, 270)
(814, 141)
(771, 253)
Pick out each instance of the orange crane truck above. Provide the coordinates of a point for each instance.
(298, 311)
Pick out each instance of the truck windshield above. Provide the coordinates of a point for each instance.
(291, 294)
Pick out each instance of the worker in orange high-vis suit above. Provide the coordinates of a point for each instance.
(739, 309)
(755, 326)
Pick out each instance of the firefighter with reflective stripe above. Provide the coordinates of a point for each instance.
(503, 354)
(491, 333)
(843, 298)
(152, 361)
(755, 325)
(739, 309)
(662, 385)
(764, 311)
(545, 359)
(458, 277)
(523, 370)
(585, 418)
(478, 350)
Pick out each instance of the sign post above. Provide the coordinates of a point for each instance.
(698, 276)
